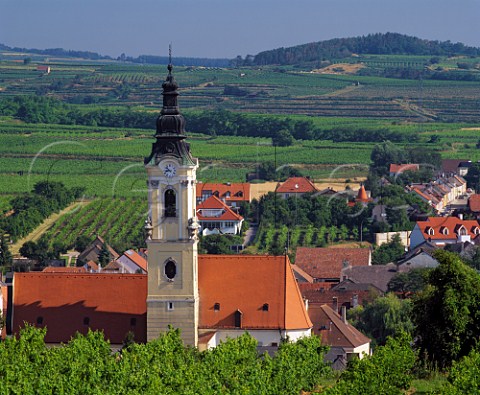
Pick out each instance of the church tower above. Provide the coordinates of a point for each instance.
(172, 225)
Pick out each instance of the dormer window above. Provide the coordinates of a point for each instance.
(265, 307)
(430, 231)
(462, 231)
(444, 230)
(476, 230)
(238, 319)
(216, 307)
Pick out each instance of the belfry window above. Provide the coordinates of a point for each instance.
(170, 203)
(170, 270)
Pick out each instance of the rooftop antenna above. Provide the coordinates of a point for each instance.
(170, 53)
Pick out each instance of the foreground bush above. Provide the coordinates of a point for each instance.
(86, 365)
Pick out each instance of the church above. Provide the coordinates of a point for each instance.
(208, 297)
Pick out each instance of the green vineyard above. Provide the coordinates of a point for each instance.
(119, 221)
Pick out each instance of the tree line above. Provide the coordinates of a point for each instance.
(282, 130)
(31, 209)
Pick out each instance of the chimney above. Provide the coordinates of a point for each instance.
(335, 304)
(344, 315)
(460, 216)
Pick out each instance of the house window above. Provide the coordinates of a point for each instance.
(39, 320)
(133, 321)
(170, 270)
(216, 307)
(86, 321)
(170, 306)
(444, 231)
(476, 230)
(462, 231)
(170, 203)
(265, 307)
(430, 231)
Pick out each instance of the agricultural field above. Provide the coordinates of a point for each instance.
(268, 89)
(119, 221)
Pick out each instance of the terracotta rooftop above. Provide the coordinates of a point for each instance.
(333, 330)
(474, 203)
(227, 191)
(214, 203)
(297, 185)
(263, 288)
(66, 303)
(446, 228)
(327, 263)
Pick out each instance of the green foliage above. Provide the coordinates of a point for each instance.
(389, 252)
(218, 244)
(446, 312)
(87, 365)
(387, 371)
(383, 317)
(6, 259)
(473, 177)
(412, 281)
(464, 374)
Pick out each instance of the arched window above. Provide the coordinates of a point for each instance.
(170, 269)
(170, 203)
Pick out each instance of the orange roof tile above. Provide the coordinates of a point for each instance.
(297, 185)
(214, 203)
(136, 258)
(237, 191)
(329, 262)
(474, 203)
(67, 303)
(438, 224)
(247, 283)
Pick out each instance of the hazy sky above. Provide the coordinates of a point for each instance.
(225, 28)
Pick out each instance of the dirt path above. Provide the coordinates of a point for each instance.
(42, 228)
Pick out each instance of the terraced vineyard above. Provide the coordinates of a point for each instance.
(119, 221)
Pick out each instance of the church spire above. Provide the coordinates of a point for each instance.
(170, 124)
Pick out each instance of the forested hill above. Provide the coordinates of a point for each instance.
(379, 43)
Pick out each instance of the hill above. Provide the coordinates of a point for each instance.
(375, 44)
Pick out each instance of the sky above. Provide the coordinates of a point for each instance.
(225, 28)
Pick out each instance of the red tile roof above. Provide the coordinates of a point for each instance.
(327, 263)
(247, 283)
(297, 185)
(334, 332)
(228, 191)
(474, 203)
(67, 303)
(397, 168)
(452, 224)
(136, 258)
(214, 203)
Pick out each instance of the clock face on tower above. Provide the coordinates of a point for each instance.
(169, 170)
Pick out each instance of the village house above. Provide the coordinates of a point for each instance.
(215, 217)
(344, 340)
(296, 186)
(441, 231)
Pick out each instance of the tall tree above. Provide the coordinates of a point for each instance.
(447, 313)
(5, 254)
